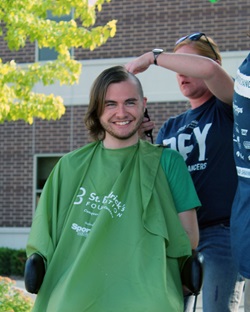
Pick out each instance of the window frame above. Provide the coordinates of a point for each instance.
(36, 190)
(58, 19)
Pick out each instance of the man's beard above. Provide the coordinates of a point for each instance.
(116, 135)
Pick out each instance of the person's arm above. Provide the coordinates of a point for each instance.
(183, 193)
(146, 125)
(189, 222)
(215, 77)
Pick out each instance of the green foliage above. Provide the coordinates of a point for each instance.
(26, 20)
(5, 256)
(13, 299)
(12, 262)
(17, 262)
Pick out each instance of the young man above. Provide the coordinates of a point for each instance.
(106, 225)
(240, 220)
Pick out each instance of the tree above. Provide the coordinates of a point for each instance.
(26, 20)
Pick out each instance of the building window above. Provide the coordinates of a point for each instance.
(43, 165)
(47, 54)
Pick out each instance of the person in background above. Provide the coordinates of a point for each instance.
(106, 226)
(240, 219)
(203, 136)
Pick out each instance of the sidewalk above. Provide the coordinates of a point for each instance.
(20, 285)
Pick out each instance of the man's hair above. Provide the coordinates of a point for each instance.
(202, 47)
(98, 92)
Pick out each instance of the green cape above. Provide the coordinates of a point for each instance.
(112, 251)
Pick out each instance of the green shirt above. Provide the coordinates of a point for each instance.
(108, 228)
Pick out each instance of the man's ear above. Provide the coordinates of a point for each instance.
(218, 61)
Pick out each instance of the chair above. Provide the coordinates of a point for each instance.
(192, 274)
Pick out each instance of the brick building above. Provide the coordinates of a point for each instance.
(28, 152)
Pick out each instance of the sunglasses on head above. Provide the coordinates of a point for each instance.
(196, 37)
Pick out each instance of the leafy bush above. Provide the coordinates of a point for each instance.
(17, 262)
(13, 299)
(12, 261)
(5, 256)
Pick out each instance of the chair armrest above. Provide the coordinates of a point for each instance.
(34, 273)
(192, 273)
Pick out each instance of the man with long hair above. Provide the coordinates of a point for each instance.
(107, 226)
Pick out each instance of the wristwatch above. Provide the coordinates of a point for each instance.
(156, 53)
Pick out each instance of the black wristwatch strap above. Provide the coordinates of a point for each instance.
(156, 53)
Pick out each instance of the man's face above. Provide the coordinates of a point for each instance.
(122, 115)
